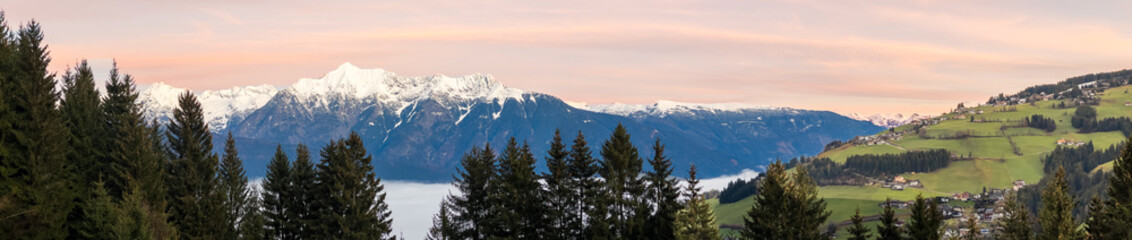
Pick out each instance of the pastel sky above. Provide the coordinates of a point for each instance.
(845, 56)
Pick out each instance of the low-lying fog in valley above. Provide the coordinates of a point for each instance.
(413, 204)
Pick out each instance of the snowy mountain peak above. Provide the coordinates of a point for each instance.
(347, 66)
(665, 107)
(219, 106)
(383, 86)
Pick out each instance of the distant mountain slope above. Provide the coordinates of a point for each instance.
(417, 128)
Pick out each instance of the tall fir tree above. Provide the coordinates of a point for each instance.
(8, 165)
(697, 220)
(80, 109)
(39, 178)
(301, 208)
(233, 186)
(519, 208)
(589, 190)
(134, 159)
(887, 229)
(620, 168)
(663, 193)
(1015, 223)
(858, 231)
(134, 150)
(811, 210)
(7, 168)
(471, 208)
(926, 221)
(561, 194)
(277, 194)
(352, 199)
(192, 184)
(767, 218)
(1056, 214)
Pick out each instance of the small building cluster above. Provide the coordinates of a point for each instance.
(899, 183)
(988, 206)
(883, 138)
(1071, 143)
(1019, 184)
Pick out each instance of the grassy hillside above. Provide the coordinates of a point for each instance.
(995, 163)
(999, 155)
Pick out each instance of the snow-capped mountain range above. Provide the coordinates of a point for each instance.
(417, 128)
(889, 120)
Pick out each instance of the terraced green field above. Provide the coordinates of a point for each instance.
(840, 156)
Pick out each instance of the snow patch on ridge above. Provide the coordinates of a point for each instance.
(665, 107)
(888, 120)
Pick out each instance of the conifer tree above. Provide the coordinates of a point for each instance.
(766, 218)
(443, 228)
(352, 199)
(1015, 223)
(7, 169)
(137, 219)
(234, 189)
(80, 109)
(520, 210)
(134, 149)
(1111, 220)
(1056, 213)
(1099, 224)
(100, 215)
(471, 209)
(561, 194)
(583, 170)
(277, 194)
(192, 184)
(36, 168)
(810, 210)
(697, 220)
(620, 166)
(663, 194)
(252, 222)
(858, 231)
(301, 208)
(926, 220)
(134, 158)
(887, 229)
